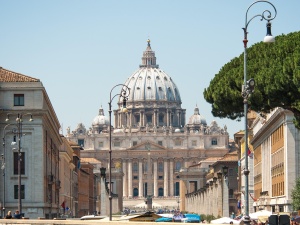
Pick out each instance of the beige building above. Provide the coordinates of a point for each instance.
(276, 160)
(153, 140)
(217, 195)
(38, 142)
(67, 194)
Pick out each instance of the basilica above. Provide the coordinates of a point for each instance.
(152, 141)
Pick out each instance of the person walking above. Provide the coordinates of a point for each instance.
(8, 215)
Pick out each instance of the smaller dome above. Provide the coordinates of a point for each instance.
(100, 120)
(197, 119)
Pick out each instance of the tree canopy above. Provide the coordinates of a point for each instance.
(276, 70)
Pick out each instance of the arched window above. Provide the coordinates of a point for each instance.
(160, 192)
(160, 167)
(149, 119)
(176, 188)
(161, 119)
(135, 167)
(178, 166)
(230, 193)
(135, 192)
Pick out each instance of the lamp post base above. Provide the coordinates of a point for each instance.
(247, 220)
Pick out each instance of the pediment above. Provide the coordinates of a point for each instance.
(147, 145)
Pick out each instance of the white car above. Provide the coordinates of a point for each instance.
(92, 217)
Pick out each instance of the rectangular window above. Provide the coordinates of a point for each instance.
(214, 141)
(176, 188)
(137, 118)
(149, 119)
(22, 160)
(81, 142)
(194, 143)
(100, 144)
(160, 143)
(160, 177)
(161, 118)
(193, 186)
(160, 167)
(134, 143)
(16, 192)
(18, 99)
(117, 144)
(135, 177)
(177, 142)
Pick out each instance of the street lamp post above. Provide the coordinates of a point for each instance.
(18, 124)
(124, 95)
(248, 88)
(3, 168)
(3, 173)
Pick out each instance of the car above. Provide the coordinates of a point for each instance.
(92, 217)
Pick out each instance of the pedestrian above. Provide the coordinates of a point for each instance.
(17, 215)
(8, 215)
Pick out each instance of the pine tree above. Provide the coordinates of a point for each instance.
(276, 71)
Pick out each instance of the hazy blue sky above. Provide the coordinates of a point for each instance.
(81, 49)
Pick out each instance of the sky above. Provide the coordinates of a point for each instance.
(81, 49)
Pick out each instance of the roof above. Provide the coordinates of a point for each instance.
(90, 160)
(10, 76)
(229, 157)
(209, 159)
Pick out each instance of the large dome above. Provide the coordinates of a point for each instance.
(150, 83)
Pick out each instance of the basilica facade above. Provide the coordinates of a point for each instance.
(152, 141)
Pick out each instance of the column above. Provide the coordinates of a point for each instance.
(171, 177)
(155, 178)
(155, 118)
(168, 122)
(179, 119)
(116, 119)
(140, 178)
(225, 197)
(144, 119)
(131, 118)
(129, 178)
(125, 186)
(166, 179)
(104, 209)
(220, 199)
(149, 176)
(141, 118)
(185, 162)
